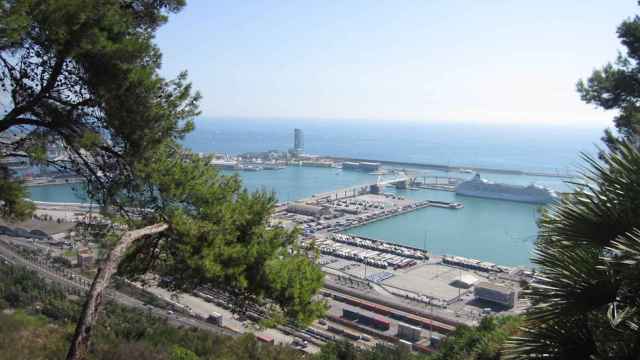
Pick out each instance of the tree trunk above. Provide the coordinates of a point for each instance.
(89, 315)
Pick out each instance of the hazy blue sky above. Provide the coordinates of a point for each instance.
(438, 60)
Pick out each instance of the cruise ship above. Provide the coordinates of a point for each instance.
(479, 187)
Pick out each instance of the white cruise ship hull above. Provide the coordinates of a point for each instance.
(507, 197)
(478, 187)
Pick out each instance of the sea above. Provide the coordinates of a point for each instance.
(502, 232)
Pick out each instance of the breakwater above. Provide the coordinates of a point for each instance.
(448, 168)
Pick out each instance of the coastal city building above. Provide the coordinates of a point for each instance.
(298, 142)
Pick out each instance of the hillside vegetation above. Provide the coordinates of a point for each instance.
(37, 323)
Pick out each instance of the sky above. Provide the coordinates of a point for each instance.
(484, 61)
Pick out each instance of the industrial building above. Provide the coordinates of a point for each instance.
(369, 166)
(317, 163)
(361, 166)
(496, 293)
(308, 210)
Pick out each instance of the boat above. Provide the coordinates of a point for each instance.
(479, 187)
(252, 168)
(248, 167)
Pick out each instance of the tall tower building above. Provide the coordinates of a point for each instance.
(298, 141)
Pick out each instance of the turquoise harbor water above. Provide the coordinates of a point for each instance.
(295, 182)
(290, 183)
(492, 230)
(67, 193)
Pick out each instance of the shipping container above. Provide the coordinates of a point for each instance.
(402, 316)
(350, 315)
(381, 324)
(374, 322)
(265, 339)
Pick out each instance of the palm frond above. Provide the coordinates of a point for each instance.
(586, 296)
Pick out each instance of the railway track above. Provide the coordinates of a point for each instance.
(394, 313)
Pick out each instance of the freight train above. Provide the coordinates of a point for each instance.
(377, 323)
(405, 317)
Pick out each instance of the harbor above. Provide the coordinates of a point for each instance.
(355, 218)
(420, 276)
(474, 231)
(377, 274)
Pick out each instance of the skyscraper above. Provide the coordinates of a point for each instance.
(298, 141)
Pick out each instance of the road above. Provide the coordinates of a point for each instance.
(78, 282)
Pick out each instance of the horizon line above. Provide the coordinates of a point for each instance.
(589, 124)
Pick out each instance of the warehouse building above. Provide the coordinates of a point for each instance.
(361, 166)
(308, 210)
(495, 293)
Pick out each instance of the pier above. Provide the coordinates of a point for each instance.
(356, 206)
(401, 182)
(448, 168)
(416, 206)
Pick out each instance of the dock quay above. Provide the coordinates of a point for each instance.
(439, 187)
(46, 180)
(473, 264)
(345, 209)
(369, 271)
(367, 219)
